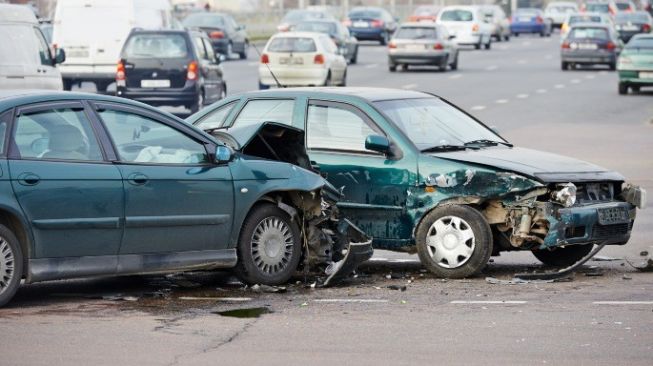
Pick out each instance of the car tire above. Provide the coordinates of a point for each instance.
(564, 65)
(327, 80)
(101, 86)
(11, 265)
(67, 85)
(516, 34)
(460, 227)
(635, 89)
(454, 64)
(230, 51)
(223, 91)
(344, 80)
(354, 58)
(199, 103)
(562, 257)
(392, 68)
(269, 246)
(623, 89)
(613, 66)
(543, 34)
(506, 38)
(488, 45)
(442, 67)
(243, 55)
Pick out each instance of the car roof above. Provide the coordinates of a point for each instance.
(10, 13)
(368, 94)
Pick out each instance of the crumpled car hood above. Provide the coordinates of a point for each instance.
(543, 166)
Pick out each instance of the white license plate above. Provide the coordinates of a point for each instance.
(291, 61)
(155, 83)
(361, 24)
(587, 46)
(630, 27)
(415, 47)
(525, 19)
(646, 75)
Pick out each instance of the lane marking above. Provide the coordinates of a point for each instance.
(559, 86)
(371, 66)
(409, 86)
(603, 72)
(456, 76)
(252, 63)
(352, 300)
(522, 96)
(478, 108)
(623, 303)
(589, 76)
(526, 43)
(521, 62)
(501, 101)
(575, 81)
(489, 302)
(492, 67)
(541, 91)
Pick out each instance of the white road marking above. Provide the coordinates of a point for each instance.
(522, 96)
(409, 86)
(589, 76)
(352, 300)
(371, 66)
(547, 40)
(456, 76)
(502, 47)
(252, 63)
(526, 43)
(501, 101)
(575, 81)
(379, 260)
(491, 67)
(541, 91)
(478, 108)
(489, 302)
(521, 62)
(559, 86)
(623, 303)
(603, 72)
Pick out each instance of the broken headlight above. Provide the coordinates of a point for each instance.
(565, 194)
(634, 195)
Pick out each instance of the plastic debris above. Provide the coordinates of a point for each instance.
(397, 287)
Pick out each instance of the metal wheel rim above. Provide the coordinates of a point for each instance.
(272, 245)
(6, 264)
(450, 242)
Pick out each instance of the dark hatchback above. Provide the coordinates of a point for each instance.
(173, 68)
(629, 24)
(227, 36)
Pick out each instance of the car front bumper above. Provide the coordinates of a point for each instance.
(634, 77)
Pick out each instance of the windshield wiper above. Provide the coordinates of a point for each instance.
(486, 142)
(439, 148)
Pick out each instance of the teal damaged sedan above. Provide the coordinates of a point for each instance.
(635, 64)
(420, 175)
(95, 185)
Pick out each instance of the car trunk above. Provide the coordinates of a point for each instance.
(154, 73)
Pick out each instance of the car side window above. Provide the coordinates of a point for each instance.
(266, 110)
(4, 122)
(199, 46)
(57, 134)
(44, 50)
(216, 118)
(209, 50)
(139, 139)
(335, 128)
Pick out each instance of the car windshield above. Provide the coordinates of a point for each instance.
(640, 43)
(156, 46)
(319, 27)
(457, 15)
(19, 45)
(585, 19)
(204, 20)
(599, 8)
(632, 17)
(366, 14)
(431, 122)
(416, 33)
(292, 44)
(623, 6)
(593, 33)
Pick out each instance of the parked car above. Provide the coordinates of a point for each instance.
(92, 55)
(170, 67)
(495, 15)
(26, 61)
(635, 64)
(630, 24)
(530, 20)
(346, 43)
(227, 36)
(301, 59)
(298, 15)
(425, 13)
(145, 192)
(557, 11)
(577, 18)
(419, 174)
(590, 44)
(371, 24)
(468, 25)
(422, 44)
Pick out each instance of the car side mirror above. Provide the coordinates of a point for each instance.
(377, 143)
(59, 56)
(223, 154)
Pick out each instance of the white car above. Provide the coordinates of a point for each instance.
(301, 59)
(557, 11)
(468, 24)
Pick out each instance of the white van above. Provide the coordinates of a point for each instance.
(93, 32)
(468, 24)
(25, 58)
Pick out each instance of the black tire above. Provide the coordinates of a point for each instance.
(11, 254)
(613, 66)
(481, 241)
(564, 65)
(454, 64)
(67, 84)
(327, 81)
(344, 79)
(543, 34)
(392, 68)
(243, 55)
(623, 89)
(562, 257)
(635, 89)
(478, 45)
(516, 34)
(199, 103)
(506, 38)
(384, 39)
(255, 264)
(442, 67)
(354, 58)
(488, 45)
(101, 86)
(263, 86)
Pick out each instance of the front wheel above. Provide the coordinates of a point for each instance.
(623, 89)
(454, 241)
(11, 265)
(269, 247)
(454, 64)
(564, 65)
(562, 257)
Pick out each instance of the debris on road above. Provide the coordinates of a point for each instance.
(564, 272)
(397, 287)
(519, 281)
(647, 264)
(268, 289)
(245, 313)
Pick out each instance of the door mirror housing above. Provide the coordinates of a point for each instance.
(377, 143)
(59, 56)
(223, 154)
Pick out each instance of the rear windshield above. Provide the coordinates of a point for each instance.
(156, 46)
(371, 14)
(527, 12)
(632, 17)
(640, 43)
(319, 27)
(623, 6)
(297, 15)
(599, 8)
(426, 10)
(593, 33)
(585, 19)
(416, 33)
(561, 9)
(204, 20)
(292, 44)
(457, 15)
(20, 45)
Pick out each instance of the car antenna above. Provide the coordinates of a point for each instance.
(268, 66)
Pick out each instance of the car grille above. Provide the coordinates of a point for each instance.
(607, 231)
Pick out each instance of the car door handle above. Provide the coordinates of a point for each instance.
(28, 179)
(137, 179)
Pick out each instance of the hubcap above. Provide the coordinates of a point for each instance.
(272, 245)
(450, 242)
(6, 264)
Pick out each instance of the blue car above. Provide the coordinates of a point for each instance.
(371, 24)
(530, 20)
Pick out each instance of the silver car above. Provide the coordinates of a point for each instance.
(422, 44)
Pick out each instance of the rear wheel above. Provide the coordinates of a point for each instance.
(344, 79)
(198, 104)
(354, 58)
(101, 86)
(488, 44)
(635, 89)
(623, 89)
(11, 264)
(230, 50)
(562, 257)
(564, 65)
(516, 34)
(454, 64)
(384, 39)
(262, 86)
(506, 37)
(442, 67)
(327, 81)
(613, 66)
(478, 45)
(67, 84)
(392, 67)
(243, 54)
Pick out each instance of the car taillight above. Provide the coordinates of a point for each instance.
(392, 45)
(377, 23)
(475, 28)
(346, 22)
(120, 71)
(539, 20)
(565, 45)
(318, 59)
(283, 27)
(216, 34)
(265, 59)
(646, 28)
(438, 46)
(610, 46)
(191, 73)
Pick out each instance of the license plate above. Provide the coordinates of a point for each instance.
(587, 46)
(613, 215)
(291, 61)
(73, 53)
(155, 83)
(415, 47)
(630, 27)
(361, 24)
(524, 19)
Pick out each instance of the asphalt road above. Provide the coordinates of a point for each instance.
(603, 316)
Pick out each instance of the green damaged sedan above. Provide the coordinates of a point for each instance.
(94, 185)
(635, 64)
(420, 175)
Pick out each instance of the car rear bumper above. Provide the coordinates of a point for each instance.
(79, 72)
(417, 58)
(367, 33)
(527, 28)
(467, 39)
(589, 57)
(293, 76)
(159, 97)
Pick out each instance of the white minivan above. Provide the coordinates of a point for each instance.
(93, 32)
(468, 24)
(25, 58)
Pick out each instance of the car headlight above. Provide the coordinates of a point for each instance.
(565, 195)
